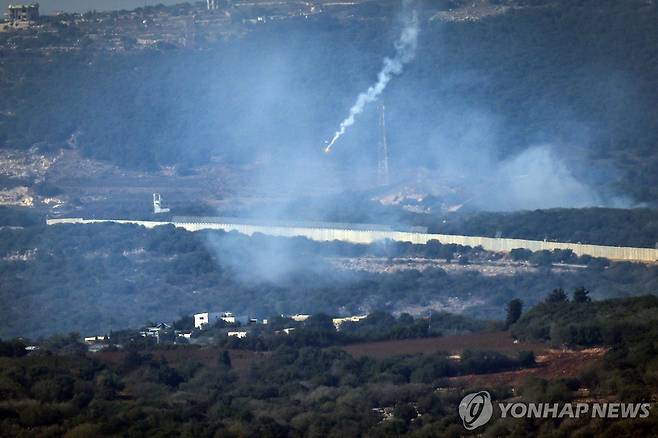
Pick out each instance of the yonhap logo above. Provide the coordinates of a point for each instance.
(476, 409)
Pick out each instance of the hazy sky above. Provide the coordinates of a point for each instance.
(86, 5)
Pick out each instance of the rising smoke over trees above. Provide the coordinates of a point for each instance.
(559, 92)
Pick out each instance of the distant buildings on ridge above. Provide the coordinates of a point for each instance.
(173, 333)
(29, 12)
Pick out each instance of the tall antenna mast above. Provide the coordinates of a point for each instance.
(382, 152)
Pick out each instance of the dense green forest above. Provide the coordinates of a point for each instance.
(306, 391)
(588, 323)
(94, 278)
(578, 75)
(627, 325)
(309, 391)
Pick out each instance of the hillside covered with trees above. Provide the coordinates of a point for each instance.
(99, 277)
(310, 391)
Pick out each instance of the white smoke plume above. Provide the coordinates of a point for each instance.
(405, 51)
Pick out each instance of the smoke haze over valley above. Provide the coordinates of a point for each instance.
(381, 218)
(465, 110)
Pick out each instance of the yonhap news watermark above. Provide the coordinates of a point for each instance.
(476, 409)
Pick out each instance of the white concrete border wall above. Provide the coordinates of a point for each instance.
(362, 236)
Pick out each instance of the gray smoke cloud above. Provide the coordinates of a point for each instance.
(405, 51)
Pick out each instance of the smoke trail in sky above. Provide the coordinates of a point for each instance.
(405, 50)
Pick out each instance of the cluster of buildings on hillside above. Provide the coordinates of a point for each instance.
(21, 16)
(182, 25)
(226, 322)
(190, 25)
(23, 12)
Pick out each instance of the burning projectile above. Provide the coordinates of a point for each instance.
(405, 51)
(329, 145)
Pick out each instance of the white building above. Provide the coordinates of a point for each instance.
(201, 319)
(156, 331)
(339, 321)
(300, 317)
(238, 334)
(157, 204)
(23, 12)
